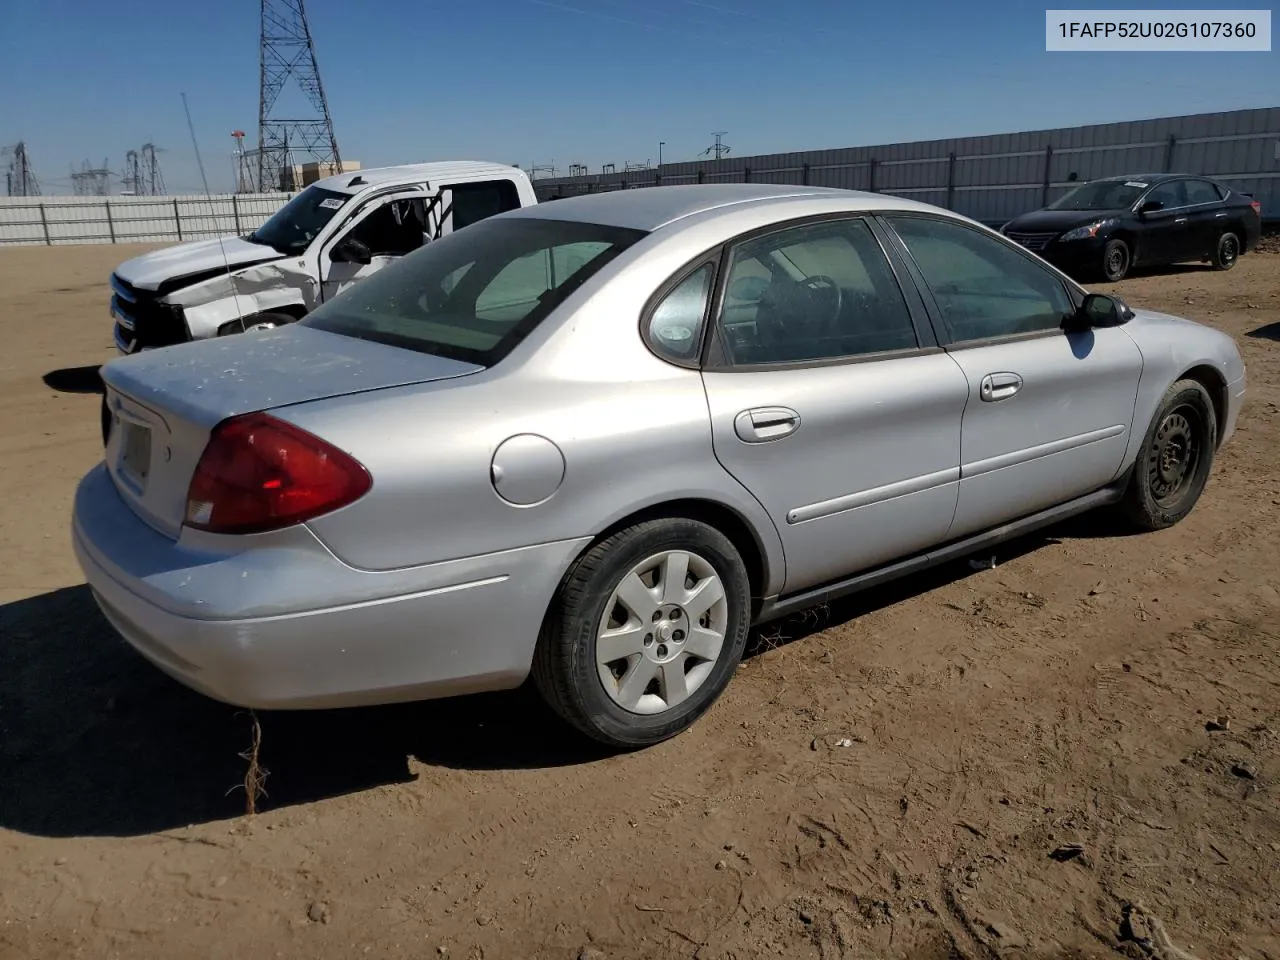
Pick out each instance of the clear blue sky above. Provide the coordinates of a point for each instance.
(590, 81)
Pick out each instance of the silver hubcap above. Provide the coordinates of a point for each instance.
(662, 632)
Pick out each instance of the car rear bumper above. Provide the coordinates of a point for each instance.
(317, 633)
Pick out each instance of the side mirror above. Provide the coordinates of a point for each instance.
(352, 250)
(1100, 310)
(1151, 206)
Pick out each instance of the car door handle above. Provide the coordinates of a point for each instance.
(1180, 220)
(999, 386)
(761, 424)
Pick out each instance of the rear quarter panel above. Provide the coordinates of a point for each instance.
(625, 446)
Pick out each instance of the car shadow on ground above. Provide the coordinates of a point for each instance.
(1268, 331)
(94, 741)
(75, 380)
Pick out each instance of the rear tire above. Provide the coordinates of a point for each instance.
(671, 598)
(1175, 459)
(1227, 252)
(1116, 259)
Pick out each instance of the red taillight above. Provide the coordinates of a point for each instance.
(258, 473)
(1257, 207)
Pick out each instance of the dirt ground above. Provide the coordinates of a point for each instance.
(901, 776)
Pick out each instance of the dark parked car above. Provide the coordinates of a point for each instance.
(1103, 228)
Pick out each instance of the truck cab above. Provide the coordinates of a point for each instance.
(332, 234)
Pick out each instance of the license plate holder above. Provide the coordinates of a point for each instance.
(135, 451)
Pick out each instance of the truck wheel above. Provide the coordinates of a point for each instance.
(1175, 459)
(1227, 252)
(1115, 260)
(645, 632)
(259, 321)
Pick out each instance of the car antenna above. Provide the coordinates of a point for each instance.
(226, 262)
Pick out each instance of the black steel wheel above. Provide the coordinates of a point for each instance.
(1227, 252)
(1115, 260)
(1176, 456)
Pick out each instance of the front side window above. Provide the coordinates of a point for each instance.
(982, 287)
(393, 229)
(475, 294)
(820, 291)
(292, 228)
(1169, 195)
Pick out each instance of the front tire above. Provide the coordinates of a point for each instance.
(1227, 252)
(1116, 260)
(1175, 459)
(645, 632)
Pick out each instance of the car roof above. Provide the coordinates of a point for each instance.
(1150, 178)
(651, 208)
(358, 180)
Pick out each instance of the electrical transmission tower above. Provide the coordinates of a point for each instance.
(20, 179)
(90, 181)
(152, 178)
(131, 178)
(717, 149)
(295, 125)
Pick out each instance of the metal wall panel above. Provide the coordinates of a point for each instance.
(73, 220)
(996, 177)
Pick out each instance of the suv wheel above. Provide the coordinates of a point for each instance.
(645, 632)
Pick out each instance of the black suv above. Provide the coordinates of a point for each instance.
(1102, 228)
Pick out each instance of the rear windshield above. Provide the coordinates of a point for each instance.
(476, 293)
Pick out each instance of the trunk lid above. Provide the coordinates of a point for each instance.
(163, 403)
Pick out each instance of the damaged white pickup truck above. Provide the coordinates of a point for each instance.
(335, 232)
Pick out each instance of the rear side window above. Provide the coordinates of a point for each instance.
(1202, 191)
(475, 294)
(473, 202)
(674, 326)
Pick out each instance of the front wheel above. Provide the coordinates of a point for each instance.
(645, 632)
(1177, 453)
(1115, 260)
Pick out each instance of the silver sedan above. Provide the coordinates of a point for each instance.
(596, 440)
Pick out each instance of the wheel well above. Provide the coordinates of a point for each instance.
(1212, 381)
(724, 519)
(295, 310)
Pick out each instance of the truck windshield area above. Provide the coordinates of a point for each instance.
(1101, 195)
(475, 294)
(292, 228)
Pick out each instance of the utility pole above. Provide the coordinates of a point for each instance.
(661, 144)
(717, 149)
(287, 51)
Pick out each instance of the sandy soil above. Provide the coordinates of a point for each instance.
(901, 776)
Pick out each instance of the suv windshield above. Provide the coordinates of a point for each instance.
(475, 294)
(292, 228)
(1101, 195)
